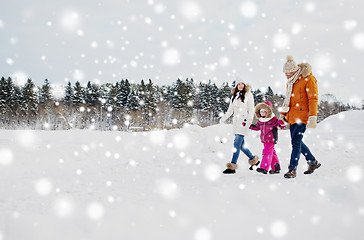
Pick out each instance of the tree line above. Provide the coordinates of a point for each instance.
(123, 105)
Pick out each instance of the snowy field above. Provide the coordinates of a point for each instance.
(89, 185)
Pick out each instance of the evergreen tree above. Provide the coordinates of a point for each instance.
(14, 97)
(179, 95)
(68, 98)
(29, 97)
(223, 99)
(92, 94)
(269, 92)
(78, 97)
(113, 98)
(124, 92)
(208, 96)
(191, 90)
(258, 96)
(3, 96)
(141, 97)
(45, 92)
(133, 101)
(152, 96)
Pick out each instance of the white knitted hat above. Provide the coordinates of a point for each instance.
(290, 65)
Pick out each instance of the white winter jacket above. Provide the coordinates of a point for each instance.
(243, 112)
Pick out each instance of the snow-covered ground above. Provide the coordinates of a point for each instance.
(88, 185)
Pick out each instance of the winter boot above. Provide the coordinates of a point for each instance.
(254, 162)
(231, 167)
(312, 167)
(228, 171)
(277, 169)
(290, 174)
(262, 170)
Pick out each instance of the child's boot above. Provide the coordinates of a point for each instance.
(276, 170)
(262, 170)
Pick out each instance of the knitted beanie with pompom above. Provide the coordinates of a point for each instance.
(290, 65)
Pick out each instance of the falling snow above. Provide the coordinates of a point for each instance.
(168, 184)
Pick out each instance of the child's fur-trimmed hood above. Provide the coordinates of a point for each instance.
(265, 106)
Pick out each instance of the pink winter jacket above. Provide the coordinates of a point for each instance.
(269, 129)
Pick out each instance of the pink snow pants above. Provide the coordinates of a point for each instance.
(269, 156)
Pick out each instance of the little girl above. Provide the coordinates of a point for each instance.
(267, 124)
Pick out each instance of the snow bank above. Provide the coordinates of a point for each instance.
(344, 121)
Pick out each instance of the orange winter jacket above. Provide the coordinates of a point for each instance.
(304, 97)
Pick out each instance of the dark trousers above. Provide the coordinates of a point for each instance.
(298, 147)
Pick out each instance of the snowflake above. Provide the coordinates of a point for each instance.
(358, 41)
(281, 41)
(43, 186)
(95, 211)
(248, 9)
(278, 229)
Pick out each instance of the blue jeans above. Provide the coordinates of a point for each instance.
(298, 146)
(239, 145)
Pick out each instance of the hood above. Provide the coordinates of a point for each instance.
(306, 69)
(267, 105)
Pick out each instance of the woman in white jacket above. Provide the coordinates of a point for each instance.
(242, 107)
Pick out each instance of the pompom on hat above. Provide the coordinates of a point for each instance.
(290, 65)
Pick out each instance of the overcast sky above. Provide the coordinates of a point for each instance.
(108, 40)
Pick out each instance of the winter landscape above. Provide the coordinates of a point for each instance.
(81, 184)
(109, 119)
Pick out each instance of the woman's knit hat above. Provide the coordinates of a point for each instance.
(290, 65)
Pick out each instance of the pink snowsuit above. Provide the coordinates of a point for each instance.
(268, 127)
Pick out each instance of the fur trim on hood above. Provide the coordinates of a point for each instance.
(247, 88)
(265, 106)
(306, 69)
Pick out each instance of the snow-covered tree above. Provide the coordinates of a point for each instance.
(78, 96)
(29, 98)
(68, 98)
(45, 92)
(92, 94)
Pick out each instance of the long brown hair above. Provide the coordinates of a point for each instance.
(240, 94)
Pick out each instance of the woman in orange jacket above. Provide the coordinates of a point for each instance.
(299, 110)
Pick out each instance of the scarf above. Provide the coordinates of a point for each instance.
(290, 82)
